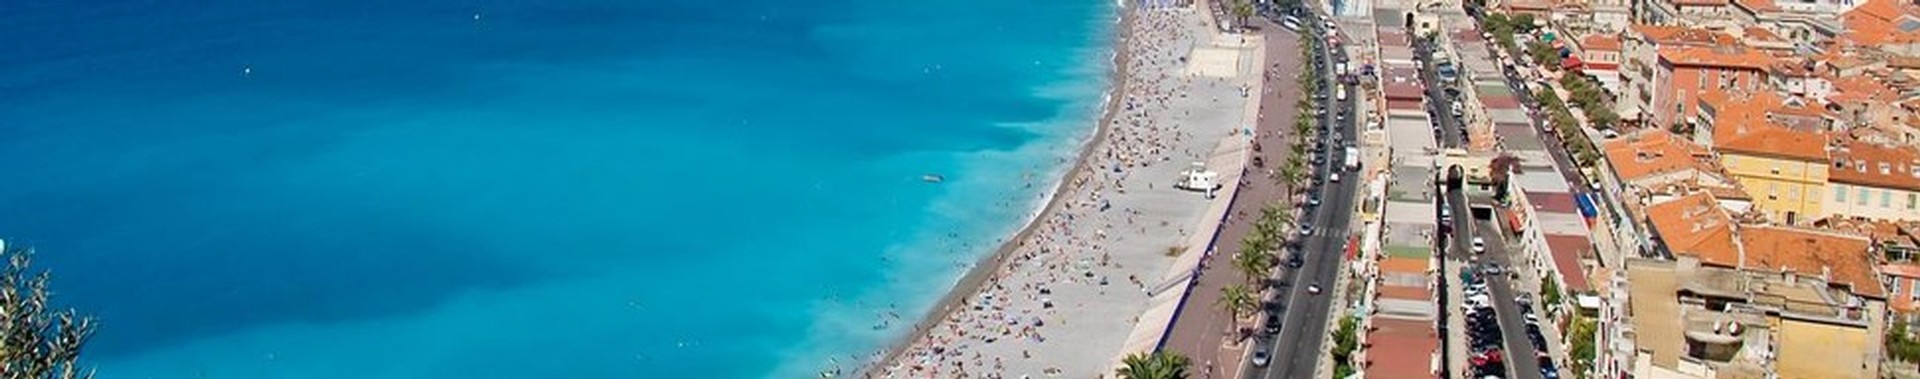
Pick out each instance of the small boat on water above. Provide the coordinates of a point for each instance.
(933, 178)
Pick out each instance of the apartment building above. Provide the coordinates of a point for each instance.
(1640, 65)
(1874, 182)
(1689, 73)
(1783, 169)
(1744, 300)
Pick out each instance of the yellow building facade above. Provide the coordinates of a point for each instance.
(1787, 189)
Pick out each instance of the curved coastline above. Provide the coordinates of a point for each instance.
(977, 275)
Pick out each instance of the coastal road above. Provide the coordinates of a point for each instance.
(1297, 349)
(1201, 328)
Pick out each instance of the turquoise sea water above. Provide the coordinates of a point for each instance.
(514, 189)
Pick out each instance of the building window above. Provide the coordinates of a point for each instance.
(1773, 191)
(1896, 286)
(1886, 198)
(1862, 196)
(1911, 199)
(1776, 169)
(1911, 294)
(1793, 193)
(1840, 193)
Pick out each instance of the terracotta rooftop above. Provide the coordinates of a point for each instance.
(1904, 270)
(1400, 349)
(1758, 5)
(1727, 56)
(1652, 152)
(1676, 35)
(1405, 293)
(1741, 125)
(1856, 88)
(1877, 22)
(1404, 265)
(1566, 252)
(1600, 42)
(1793, 67)
(1694, 225)
(1843, 259)
(1867, 164)
(1761, 34)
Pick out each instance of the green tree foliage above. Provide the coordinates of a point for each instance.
(41, 342)
(1582, 331)
(1346, 339)
(1901, 345)
(1237, 300)
(1158, 365)
(1242, 11)
(1550, 291)
(1255, 259)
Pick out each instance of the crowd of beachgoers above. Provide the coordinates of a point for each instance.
(1073, 263)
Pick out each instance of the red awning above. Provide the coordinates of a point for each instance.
(1570, 63)
(1513, 222)
(1353, 248)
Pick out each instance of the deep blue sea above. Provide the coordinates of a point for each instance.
(525, 189)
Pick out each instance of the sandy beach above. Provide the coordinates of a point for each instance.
(1061, 297)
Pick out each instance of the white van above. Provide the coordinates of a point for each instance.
(1294, 26)
(1334, 177)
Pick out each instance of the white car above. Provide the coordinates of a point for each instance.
(1334, 177)
(1479, 245)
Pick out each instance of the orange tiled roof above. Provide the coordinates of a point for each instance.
(1405, 293)
(1675, 35)
(1700, 3)
(1790, 67)
(1758, 5)
(1652, 152)
(1901, 270)
(1740, 125)
(1862, 162)
(1856, 88)
(1762, 34)
(1722, 56)
(1600, 42)
(1812, 253)
(1401, 348)
(1877, 22)
(1695, 225)
(1404, 265)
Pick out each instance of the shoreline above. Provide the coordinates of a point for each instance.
(977, 276)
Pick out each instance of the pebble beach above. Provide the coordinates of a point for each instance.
(1061, 297)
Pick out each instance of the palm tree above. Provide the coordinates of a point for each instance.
(1237, 300)
(1243, 11)
(1256, 264)
(1158, 365)
(36, 341)
(1287, 174)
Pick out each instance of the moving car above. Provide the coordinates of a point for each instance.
(1313, 289)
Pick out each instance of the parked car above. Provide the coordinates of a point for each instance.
(1479, 245)
(1261, 357)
